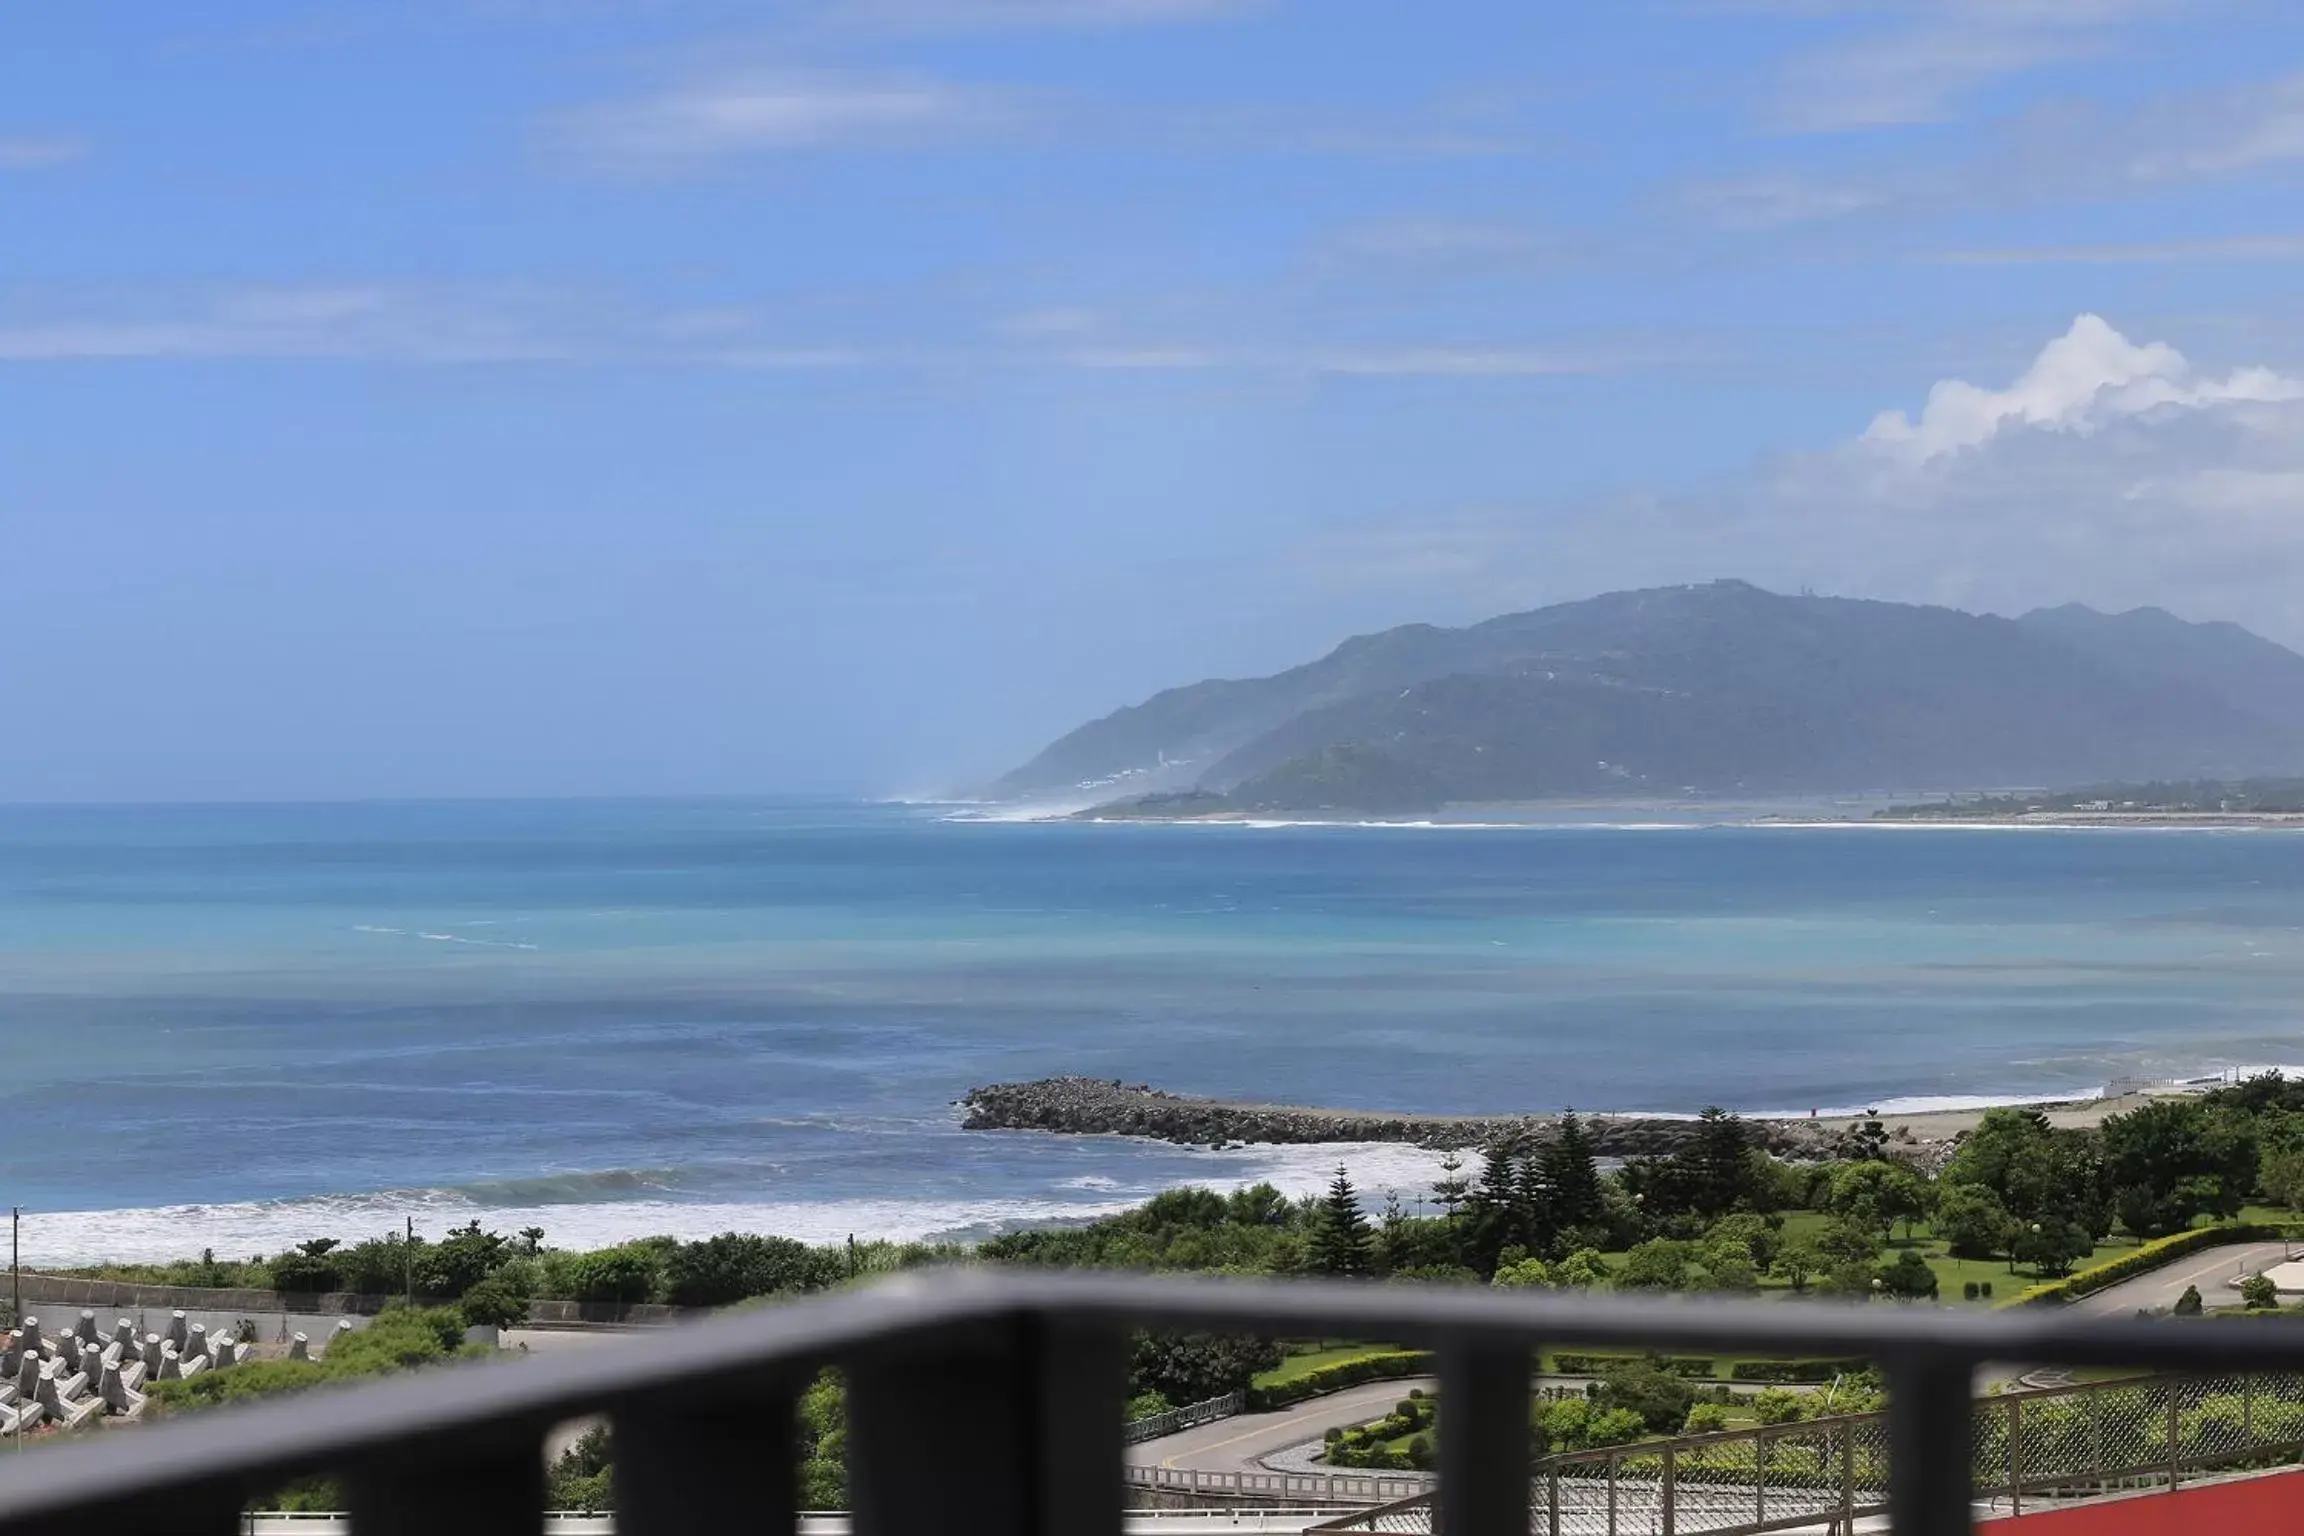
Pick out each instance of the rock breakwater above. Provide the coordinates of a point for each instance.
(1108, 1107)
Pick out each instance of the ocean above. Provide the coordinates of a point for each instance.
(243, 1026)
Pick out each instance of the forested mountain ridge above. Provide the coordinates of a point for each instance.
(1720, 688)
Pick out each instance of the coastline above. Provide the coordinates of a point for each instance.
(1076, 1106)
(1546, 817)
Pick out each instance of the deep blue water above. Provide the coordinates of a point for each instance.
(641, 1016)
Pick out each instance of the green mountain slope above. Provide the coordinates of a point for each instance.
(1723, 688)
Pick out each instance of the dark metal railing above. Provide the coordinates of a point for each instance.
(985, 1402)
(2038, 1448)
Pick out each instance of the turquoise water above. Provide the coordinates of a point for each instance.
(247, 1024)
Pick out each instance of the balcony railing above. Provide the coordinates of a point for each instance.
(2036, 1449)
(989, 1403)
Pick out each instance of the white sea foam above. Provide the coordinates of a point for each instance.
(237, 1228)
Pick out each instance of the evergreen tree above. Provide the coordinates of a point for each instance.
(1452, 1188)
(1535, 1224)
(1573, 1177)
(1718, 1169)
(1341, 1242)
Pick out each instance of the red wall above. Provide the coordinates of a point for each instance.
(2254, 1506)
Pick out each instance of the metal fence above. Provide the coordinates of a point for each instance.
(1329, 1488)
(990, 1403)
(1189, 1416)
(2039, 1448)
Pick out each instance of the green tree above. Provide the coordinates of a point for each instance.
(1193, 1367)
(1973, 1222)
(498, 1300)
(1644, 1387)
(736, 1265)
(1908, 1277)
(1759, 1236)
(583, 1479)
(1877, 1193)
(2051, 1246)
(1718, 1167)
(1799, 1259)
(624, 1274)
(1572, 1174)
(2174, 1159)
(1525, 1274)
(1849, 1250)
(1660, 1264)
(1581, 1270)
(1341, 1241)
(1454, 1186)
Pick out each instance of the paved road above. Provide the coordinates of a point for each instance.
(1237, 1444)
(2208, 1269)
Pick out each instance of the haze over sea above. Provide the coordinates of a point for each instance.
(242, 1026)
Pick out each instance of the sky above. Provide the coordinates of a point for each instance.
(599, 397)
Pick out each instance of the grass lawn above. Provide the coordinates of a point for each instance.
(1316, 1359)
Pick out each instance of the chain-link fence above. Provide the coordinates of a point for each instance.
(2028, 1450)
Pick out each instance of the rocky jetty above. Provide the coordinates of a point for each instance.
(1097, 1106)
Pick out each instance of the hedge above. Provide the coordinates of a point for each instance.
(1792, 1370)
(2141, 1260)
(1335, 1378)
(1699, 1366)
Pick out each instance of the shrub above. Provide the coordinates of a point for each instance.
(1791, 1370)
(1776, 1405)
(1969, 1290)
(2188, 1304)
(1699, 1367)
(2148, 1256)
(1420, 1452)
(1335, 1378)
(1908, 1278)
(1660, 1398)
(623, 1275)
(583, 1480)
(737, 1265)
(1190, 1368)
(499, 1301)
(307, 1268)
(2259, 1294)
(447, 1269)
(1705, 1419)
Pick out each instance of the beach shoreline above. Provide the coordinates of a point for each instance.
(1076, 1106)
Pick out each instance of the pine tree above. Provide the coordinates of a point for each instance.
(1341, 1241)
(1535, 1223)
(1718, 1169)
(1452, 1188)
(1573, 1176)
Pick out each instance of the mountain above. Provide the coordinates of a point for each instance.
(1714, 688)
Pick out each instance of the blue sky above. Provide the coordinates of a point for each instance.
(635, 396)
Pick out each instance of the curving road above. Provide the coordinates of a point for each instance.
(2211, 1269)
(1240, 1443)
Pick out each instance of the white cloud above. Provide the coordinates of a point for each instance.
(382, 323)
(770, 113)
(2221, 133)
(986, 15)
(2228, 248)
(32, 154)
(2108, 471)
(1937, 53)
(1773, 199)
(2083, 379)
